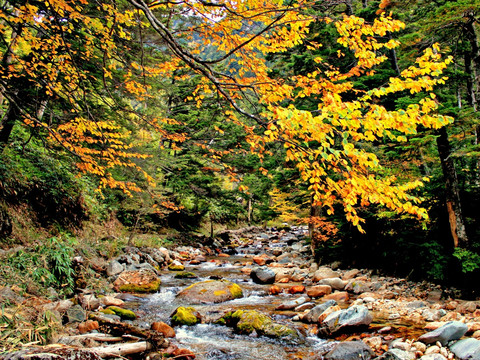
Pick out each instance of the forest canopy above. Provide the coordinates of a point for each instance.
(357, 116)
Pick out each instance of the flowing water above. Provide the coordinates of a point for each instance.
(209, 341)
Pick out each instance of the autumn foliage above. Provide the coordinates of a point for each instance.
(327, 144)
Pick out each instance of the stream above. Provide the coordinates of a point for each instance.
(209, 341)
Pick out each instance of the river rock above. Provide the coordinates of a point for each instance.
(211, 291)
(433, 357)
(76, 314)
(163, 328)
(297, 289)
(263, 275)
(141, 281)
(289, 305)
(89, 302)
(453, 330)
(355, 317)
(467, 349)
(111, 301)
(350, 274)
(397, 354)
(305, 306)
(319, 291)
(114, 268)
(88, 326)
(349, 350)
(282, 273)
(275, 290)
(185, 316)
(176, 265)
(335, 283)
(312, 315)
(324, 273)
(339, 296)
(248, 321)
(357, 286)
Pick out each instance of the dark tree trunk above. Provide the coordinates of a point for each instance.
(314, 212)
(452, 194)
(6, 126)
(393, 56)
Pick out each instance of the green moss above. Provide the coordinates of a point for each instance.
(176, 267)
(250, 320)
(107, 311)
(247, 321)
(146, 288)
(235, 290)
(185, 275)
(123, 313)
(185, 316)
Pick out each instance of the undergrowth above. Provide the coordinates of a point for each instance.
(42, 266)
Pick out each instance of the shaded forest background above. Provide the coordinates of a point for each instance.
(202, 176)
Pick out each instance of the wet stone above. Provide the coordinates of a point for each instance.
(263, 275)
(349, 350)
(76, 314)
(453, 330)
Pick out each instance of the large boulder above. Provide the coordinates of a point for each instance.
(210, 291)
(349, 350)
(263, 275)
(452, 330)
(354, 318)
(137, 281)
(248, 321)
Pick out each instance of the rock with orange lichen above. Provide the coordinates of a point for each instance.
(211, 291)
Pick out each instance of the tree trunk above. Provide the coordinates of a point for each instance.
(211, 227)
(6, 126)
(452, 194)
(249, 211)
(393, 56)
(472, 57)
(471, 98)
(314, 212)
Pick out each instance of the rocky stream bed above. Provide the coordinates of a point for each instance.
(256, 295)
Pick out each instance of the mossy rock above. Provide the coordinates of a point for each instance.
(107, 311)
(123, 313)
(185, 316)
(176, 266)
(185, 275)
(248, 321)
(211, 291)
(137, 281)
(140, 288)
